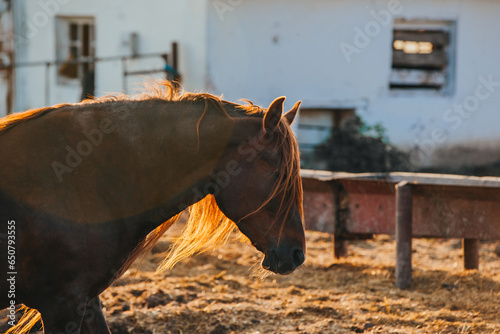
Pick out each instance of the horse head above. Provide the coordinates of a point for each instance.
(264, 193)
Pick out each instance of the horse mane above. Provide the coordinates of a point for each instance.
(14, 119)
(164, 91)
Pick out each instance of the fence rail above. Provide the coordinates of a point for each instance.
(408, 205)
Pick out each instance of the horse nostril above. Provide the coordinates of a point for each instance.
(298, 256)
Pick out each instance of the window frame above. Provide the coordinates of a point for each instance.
(64, 43)
(448, 26)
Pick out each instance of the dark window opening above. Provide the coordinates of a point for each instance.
(421, 56)
(314, 128)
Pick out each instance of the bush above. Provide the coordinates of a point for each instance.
(357, 148)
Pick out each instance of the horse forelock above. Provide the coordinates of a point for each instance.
(289, 184)
(288, 188)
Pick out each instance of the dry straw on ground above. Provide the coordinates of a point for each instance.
(215, 293)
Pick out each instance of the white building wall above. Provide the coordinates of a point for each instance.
(157, 22)
(262, 49)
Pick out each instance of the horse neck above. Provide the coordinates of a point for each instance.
(179, 153)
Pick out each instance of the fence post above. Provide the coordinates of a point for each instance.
(340, 247)
(175, 56)
(124, 74)
(403, 234)
(471, 253)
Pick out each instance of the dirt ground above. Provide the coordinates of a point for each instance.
(216, 293)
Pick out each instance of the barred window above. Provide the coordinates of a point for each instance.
(422, 56)
(75, 43)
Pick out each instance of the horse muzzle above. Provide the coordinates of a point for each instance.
(283, 264)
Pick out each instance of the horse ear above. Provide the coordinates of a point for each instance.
(273, 115)
(290, 116)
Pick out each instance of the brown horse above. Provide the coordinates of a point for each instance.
(86, 188)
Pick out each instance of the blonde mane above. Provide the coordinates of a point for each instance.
(163, 91)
